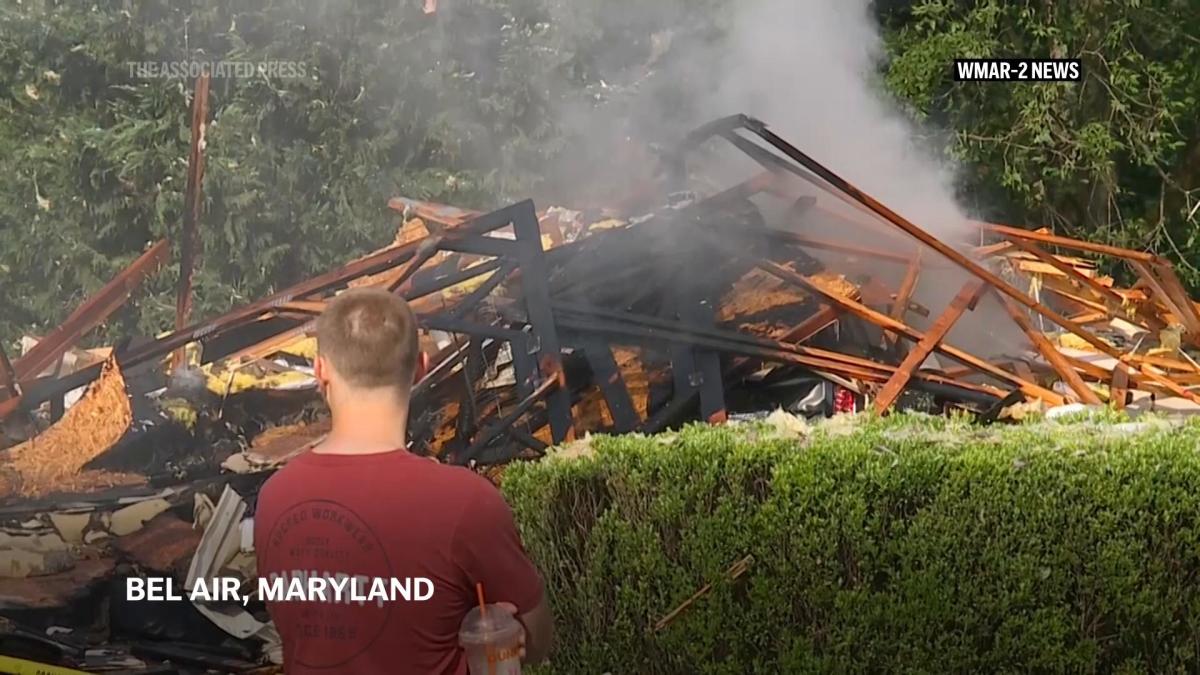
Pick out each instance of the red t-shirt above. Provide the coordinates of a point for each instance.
(387, 515)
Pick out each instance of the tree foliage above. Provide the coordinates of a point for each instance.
(299, 169)
(1115, 158)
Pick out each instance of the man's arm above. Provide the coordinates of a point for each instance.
(490, 552)
(539, 632)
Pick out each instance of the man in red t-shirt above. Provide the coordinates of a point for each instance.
(361, 505)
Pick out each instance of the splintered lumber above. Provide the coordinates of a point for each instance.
(90, 314)
(53, 460)
(843, 188)
(1066, 242)
(1175, 287)
(1184, 313)
(1049, 352)
(904, 295)
(735, 570)
(887, 322)
(966, 297)
(189, 242)
(1084, 280)
(825, 316)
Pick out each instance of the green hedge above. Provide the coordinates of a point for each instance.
(909, 544)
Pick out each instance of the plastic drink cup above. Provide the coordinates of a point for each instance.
(491, 641)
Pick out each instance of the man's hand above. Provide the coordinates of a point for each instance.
(512, 609)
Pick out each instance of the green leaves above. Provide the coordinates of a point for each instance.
(299, 170)
(906, 544)
(1099, 159)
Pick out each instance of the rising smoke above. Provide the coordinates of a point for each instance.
(811, 70)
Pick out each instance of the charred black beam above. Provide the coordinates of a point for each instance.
(499, 427)
(607, 376)
(442, 282)
(535, 284)
(451, 325)
(524, 364)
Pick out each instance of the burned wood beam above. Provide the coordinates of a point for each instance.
(967, 297)
(193, 201)
(936, 244)
(825, 316)
(1091, 305)
(1090, 317)
(485, 289)
(368, 265)
(472, 371)
(446, 281)
(886, 322)
(1137, 374)
(427, 248)
(839, 247)
(273, 344)
(1049, 352)
(651, 328)
(485, 436)
(305, 306)
(608, 377)
(536, 294)
(441, 364)
(90, 314)
(1012, 233)
(904, 294)
(1164, 362)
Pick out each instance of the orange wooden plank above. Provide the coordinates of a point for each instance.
(907, 287)
(1051, 354)
(1067, 242)
(1184, 315)
(887, 322)
(1114, 301)
(937, 332)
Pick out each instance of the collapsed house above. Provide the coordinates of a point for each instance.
(789, 289)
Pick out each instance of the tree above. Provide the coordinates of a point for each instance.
(1115, 158)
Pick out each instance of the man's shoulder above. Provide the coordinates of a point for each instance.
(279, 480)
(458, 478)
(425, 472)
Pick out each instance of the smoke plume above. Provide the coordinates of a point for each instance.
(811, 70)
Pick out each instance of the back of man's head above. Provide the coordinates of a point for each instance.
(369, 338)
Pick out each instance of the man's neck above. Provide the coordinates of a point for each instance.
(366, 427)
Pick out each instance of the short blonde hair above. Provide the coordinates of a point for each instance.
(369, 336)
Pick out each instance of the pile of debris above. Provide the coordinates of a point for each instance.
(541, 327)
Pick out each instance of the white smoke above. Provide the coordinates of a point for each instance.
(810, 69)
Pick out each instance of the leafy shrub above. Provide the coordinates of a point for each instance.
(909, 544)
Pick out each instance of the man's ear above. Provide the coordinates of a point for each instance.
(321, 371)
